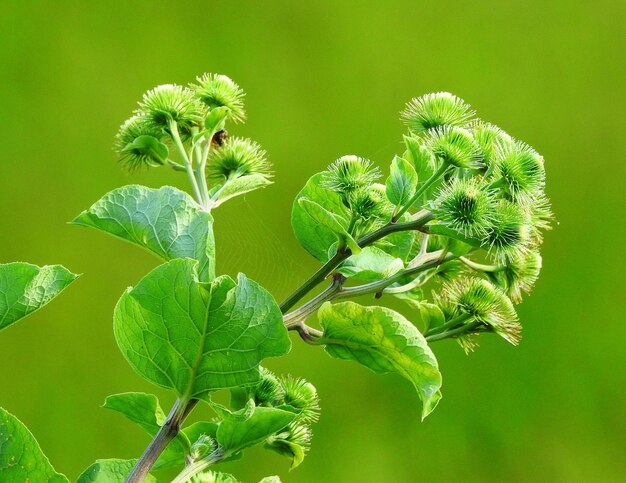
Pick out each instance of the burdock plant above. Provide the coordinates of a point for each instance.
(454, 230)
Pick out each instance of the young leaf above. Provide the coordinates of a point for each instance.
(334, 223)
(165, 221)
(384, 341)
(239, 186)
(139, 407)
(21, 458)
(371, 264)
(195, 337)
(401, 182)
(235, 435)
(25, 288)
(107, 471)
(314, 237)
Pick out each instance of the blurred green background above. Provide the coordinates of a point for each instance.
(326, 78)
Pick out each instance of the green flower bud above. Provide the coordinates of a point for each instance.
(466, 206)
(488, 137)
(519, 274)
(237, 157)
(485, 303)
(510, 232)
(434, 110)
(215, 90)
(138, 144)
(294, 443)
(454, 145)
(301, 395)
(171, 103)
(520, 167)
(538, 210)
(269, 391)
(203, 447)
(369, 202)
(348, 174)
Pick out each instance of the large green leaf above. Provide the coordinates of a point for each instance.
(21, 458)
(25, 288)
(314, 237)
(165, 221)
(384, 341)
(195, 337)
(110, 471)
(233, 434)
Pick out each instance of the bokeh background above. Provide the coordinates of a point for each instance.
(326, 78)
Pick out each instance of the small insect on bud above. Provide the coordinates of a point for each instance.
(215, 90)
(520, 167)
(220, 137)
(519, 274)
(301, 395)
(203, 447)
(510, 232)
(434, 110)
(171, 103)
(138, 144)
(454, 145)
(485, 303)
(466, 206)
(238, 157)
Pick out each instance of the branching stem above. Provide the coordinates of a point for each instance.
(418, 222)
(165, 435)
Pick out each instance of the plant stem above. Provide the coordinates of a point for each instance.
(295, 320)
(461, 319)
(164, 436)
(452, 333)
(198, 466)
(480, 267)
(429, 182)
(421, 219)
(187, 160)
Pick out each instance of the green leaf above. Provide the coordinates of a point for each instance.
(431, 314)
(216, 118)
(109, 471)
(239, 186)
(315, 238)
(236, 435)
(401, 182)
(371, 264)
(25, 288)
(270, 479)
(334, 223)
(289, 449)
(384, 341)
(145, 410)
(139, 407)
(425, 164)
(196, 337)
(21, 458)
(165, 221)
(149, 146)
